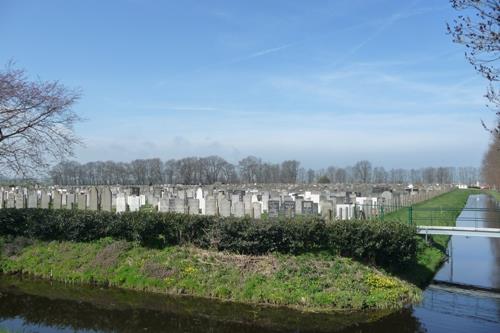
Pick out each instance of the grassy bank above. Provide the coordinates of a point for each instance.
(430, 256)
(310, 282)
(494, 194)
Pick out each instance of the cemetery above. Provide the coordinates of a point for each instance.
(333, 202)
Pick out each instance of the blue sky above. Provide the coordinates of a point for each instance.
(324, 82)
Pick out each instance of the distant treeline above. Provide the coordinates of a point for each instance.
(212, 169)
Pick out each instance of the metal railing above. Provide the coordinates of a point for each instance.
(436, 216)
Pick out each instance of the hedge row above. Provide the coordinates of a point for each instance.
(382, 243)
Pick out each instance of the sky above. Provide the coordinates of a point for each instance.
(323, 82)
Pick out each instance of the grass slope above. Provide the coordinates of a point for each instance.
(494, 194)
(310, 282)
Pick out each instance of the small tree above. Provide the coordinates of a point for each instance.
(36, 122)
(324, 180)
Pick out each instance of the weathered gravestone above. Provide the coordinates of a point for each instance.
(93, 199)
(135, 191)
(45, 201)
(133, 202)
(327, 209)
(224, 207)
(247, 201)
(56, 200)
(265, 200)
(193, 206)
(70, 200)
(288, 208)
(257, 210)
(298, 206)
(106, 199)
(19, 200)
(82, 201)
(142, 200)
(273, 208)
(210, 206)
(121, 203)
(238, 208)
(180, 206)
(1, 198)
(307, 207)
(163, 205)
(32, 199)
(11, 200)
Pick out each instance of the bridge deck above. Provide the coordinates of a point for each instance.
(459, 231)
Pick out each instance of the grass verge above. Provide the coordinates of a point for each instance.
(494, 194)
(317, 282)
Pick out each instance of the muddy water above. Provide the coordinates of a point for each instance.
(40, 306)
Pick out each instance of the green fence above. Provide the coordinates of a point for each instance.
(441, 216)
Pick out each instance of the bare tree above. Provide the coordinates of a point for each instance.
(479, 31)
(250, 169)
(289, 171)
(491, 164)
(363, 171)
(212, 167)
(36, 122)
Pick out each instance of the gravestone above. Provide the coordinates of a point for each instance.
(163, 205)
(257, 210)
(193, 206)
(273, 208)
(210, 206)
(142, 200)
(56, 200)
(32, 199)
(19, 200)
(11, 200)
(180, 206)
(288, 208)
(298, 206)
(247, 202)
(224, 207)
(121, 203)
(133, 202)
(238, 208)
(265, 200)
(64, 199)
(326, 209)
(1, 198)
(154, 202)
(307, 207)
(45, 201)
(386, 197)
(106, 199)
(81, 199)
(70, 200)
(93, 200)
(135, 191)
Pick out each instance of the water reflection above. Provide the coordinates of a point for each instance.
(37, 306)
(474, 260)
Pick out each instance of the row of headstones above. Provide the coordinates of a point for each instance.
(93, 200)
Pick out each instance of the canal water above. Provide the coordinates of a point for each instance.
(40, 306)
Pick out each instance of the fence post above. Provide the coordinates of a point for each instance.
(382, 213)
(410, 215)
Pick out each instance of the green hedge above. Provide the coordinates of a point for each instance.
(382, 243)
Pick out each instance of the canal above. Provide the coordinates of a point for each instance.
(41, 306)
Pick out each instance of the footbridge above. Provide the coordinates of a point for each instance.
(459, 231)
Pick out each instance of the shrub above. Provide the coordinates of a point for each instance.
(381, 243)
